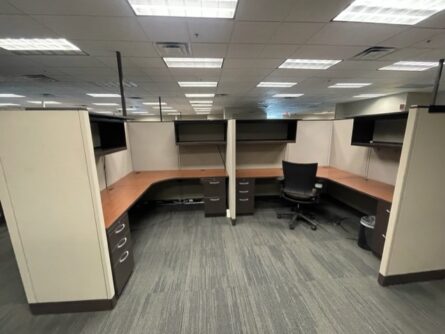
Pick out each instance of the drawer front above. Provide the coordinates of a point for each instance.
(214, 186)
(215, 206)
(245, 184)
(245, 205)
(116, 232)
(381, 225)
(121, 246)
(122, 269)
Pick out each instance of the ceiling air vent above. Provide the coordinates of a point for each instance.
(373, 53)
(115, 84)
(221, 95)
(173, 49)
(416, 86)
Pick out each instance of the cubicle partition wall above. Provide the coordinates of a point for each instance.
(231, 168)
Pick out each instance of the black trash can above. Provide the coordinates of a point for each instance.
(365, 231)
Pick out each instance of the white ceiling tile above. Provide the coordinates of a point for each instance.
(253, 32)
(165, 29)
(70, 61)
(109, 48)
(316, 10)
(347, 33)
(244, 50)
(148, 62)
(209, 50)
(435, 42)
(404, 54)
(20, 26)
(430, 55)
(410, 36)
(77, 7)
(244, 63)
(361, 65)
(6, 8)
(112, 62)
(94, 28)
(278, 51)
(327, 52)
(435, 21)
(210, 30)
(296, 32)
(263, 10)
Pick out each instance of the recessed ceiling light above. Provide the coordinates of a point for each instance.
(309, 64)
(410, 66)
(106, 104)
(37, 44)
(199, 95)
(201, 105)
(350, 85)
(142, 112)
(103, 112)
(8, 104)
(204, 109)
(407, 12)
(202, 112)
(41, 102)
(369, 96)
(194, 62)
(276, 84)
(200, 101)
(103, 95)
(154, 103)
(212, 9)
(7, 95)
(197, 83)
(288, 95)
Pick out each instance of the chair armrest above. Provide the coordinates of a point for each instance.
(280, 178)
(318, 186)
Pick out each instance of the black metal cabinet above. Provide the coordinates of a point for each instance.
(245, 196)
(215, 198)
(381, 225)
(121, 252)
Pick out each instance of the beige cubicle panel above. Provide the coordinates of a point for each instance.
(231, 166)
(50, 194)
(415, 239)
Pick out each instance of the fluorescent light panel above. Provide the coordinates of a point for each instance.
(8, 104)
(184, 8)
(369, 96)
(8, 95)
(350, 85)
(162, 107)
(193, 62)
(410, 66)
(288, 95)
(154, 103)
(106, 104)
(407, 12)
(199, 95)
(197, 83)
(276, 84)
(201, 105)
(103, 95)
(309, 64)
(201, 101)
(41, 102)
(37, 44)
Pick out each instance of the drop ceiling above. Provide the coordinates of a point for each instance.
(254, 44)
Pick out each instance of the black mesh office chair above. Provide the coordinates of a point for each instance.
(300, 187)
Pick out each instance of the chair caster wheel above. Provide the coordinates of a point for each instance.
(279, 216)
(313, 228)
(292, 227)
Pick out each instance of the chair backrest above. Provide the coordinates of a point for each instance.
(299, 177)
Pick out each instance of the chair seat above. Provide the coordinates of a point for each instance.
(300, 195)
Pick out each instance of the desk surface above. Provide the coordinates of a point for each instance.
(120, 196)
(376, 189)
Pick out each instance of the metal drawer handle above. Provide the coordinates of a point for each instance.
(124, 256)
(384, 236)
(388, 211)
(122, 242)
(214, 182)
(120, 229)
(243, 191)
(214, 199)
(243, 199)
(243, 183)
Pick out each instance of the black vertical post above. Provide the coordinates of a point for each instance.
(437, 82)
(121, 83)
(160, 108)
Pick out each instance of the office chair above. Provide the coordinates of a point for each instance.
(299, 186)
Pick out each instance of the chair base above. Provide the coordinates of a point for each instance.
(295, 216)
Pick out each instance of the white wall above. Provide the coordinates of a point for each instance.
(383, 162)
(313, 143)
(415, 240)
(118, 165)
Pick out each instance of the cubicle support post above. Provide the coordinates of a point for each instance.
(121, 83)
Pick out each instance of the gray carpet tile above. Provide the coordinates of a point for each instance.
(202, 275)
